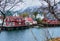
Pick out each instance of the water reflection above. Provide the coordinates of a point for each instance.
(26, 35)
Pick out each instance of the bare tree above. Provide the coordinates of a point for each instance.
(4, 4)
(51, 8)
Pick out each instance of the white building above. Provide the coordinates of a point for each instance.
(39, 16)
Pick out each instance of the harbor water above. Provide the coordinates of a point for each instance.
(31, 34)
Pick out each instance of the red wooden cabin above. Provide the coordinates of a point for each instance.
(45, 20)
(14, 21)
